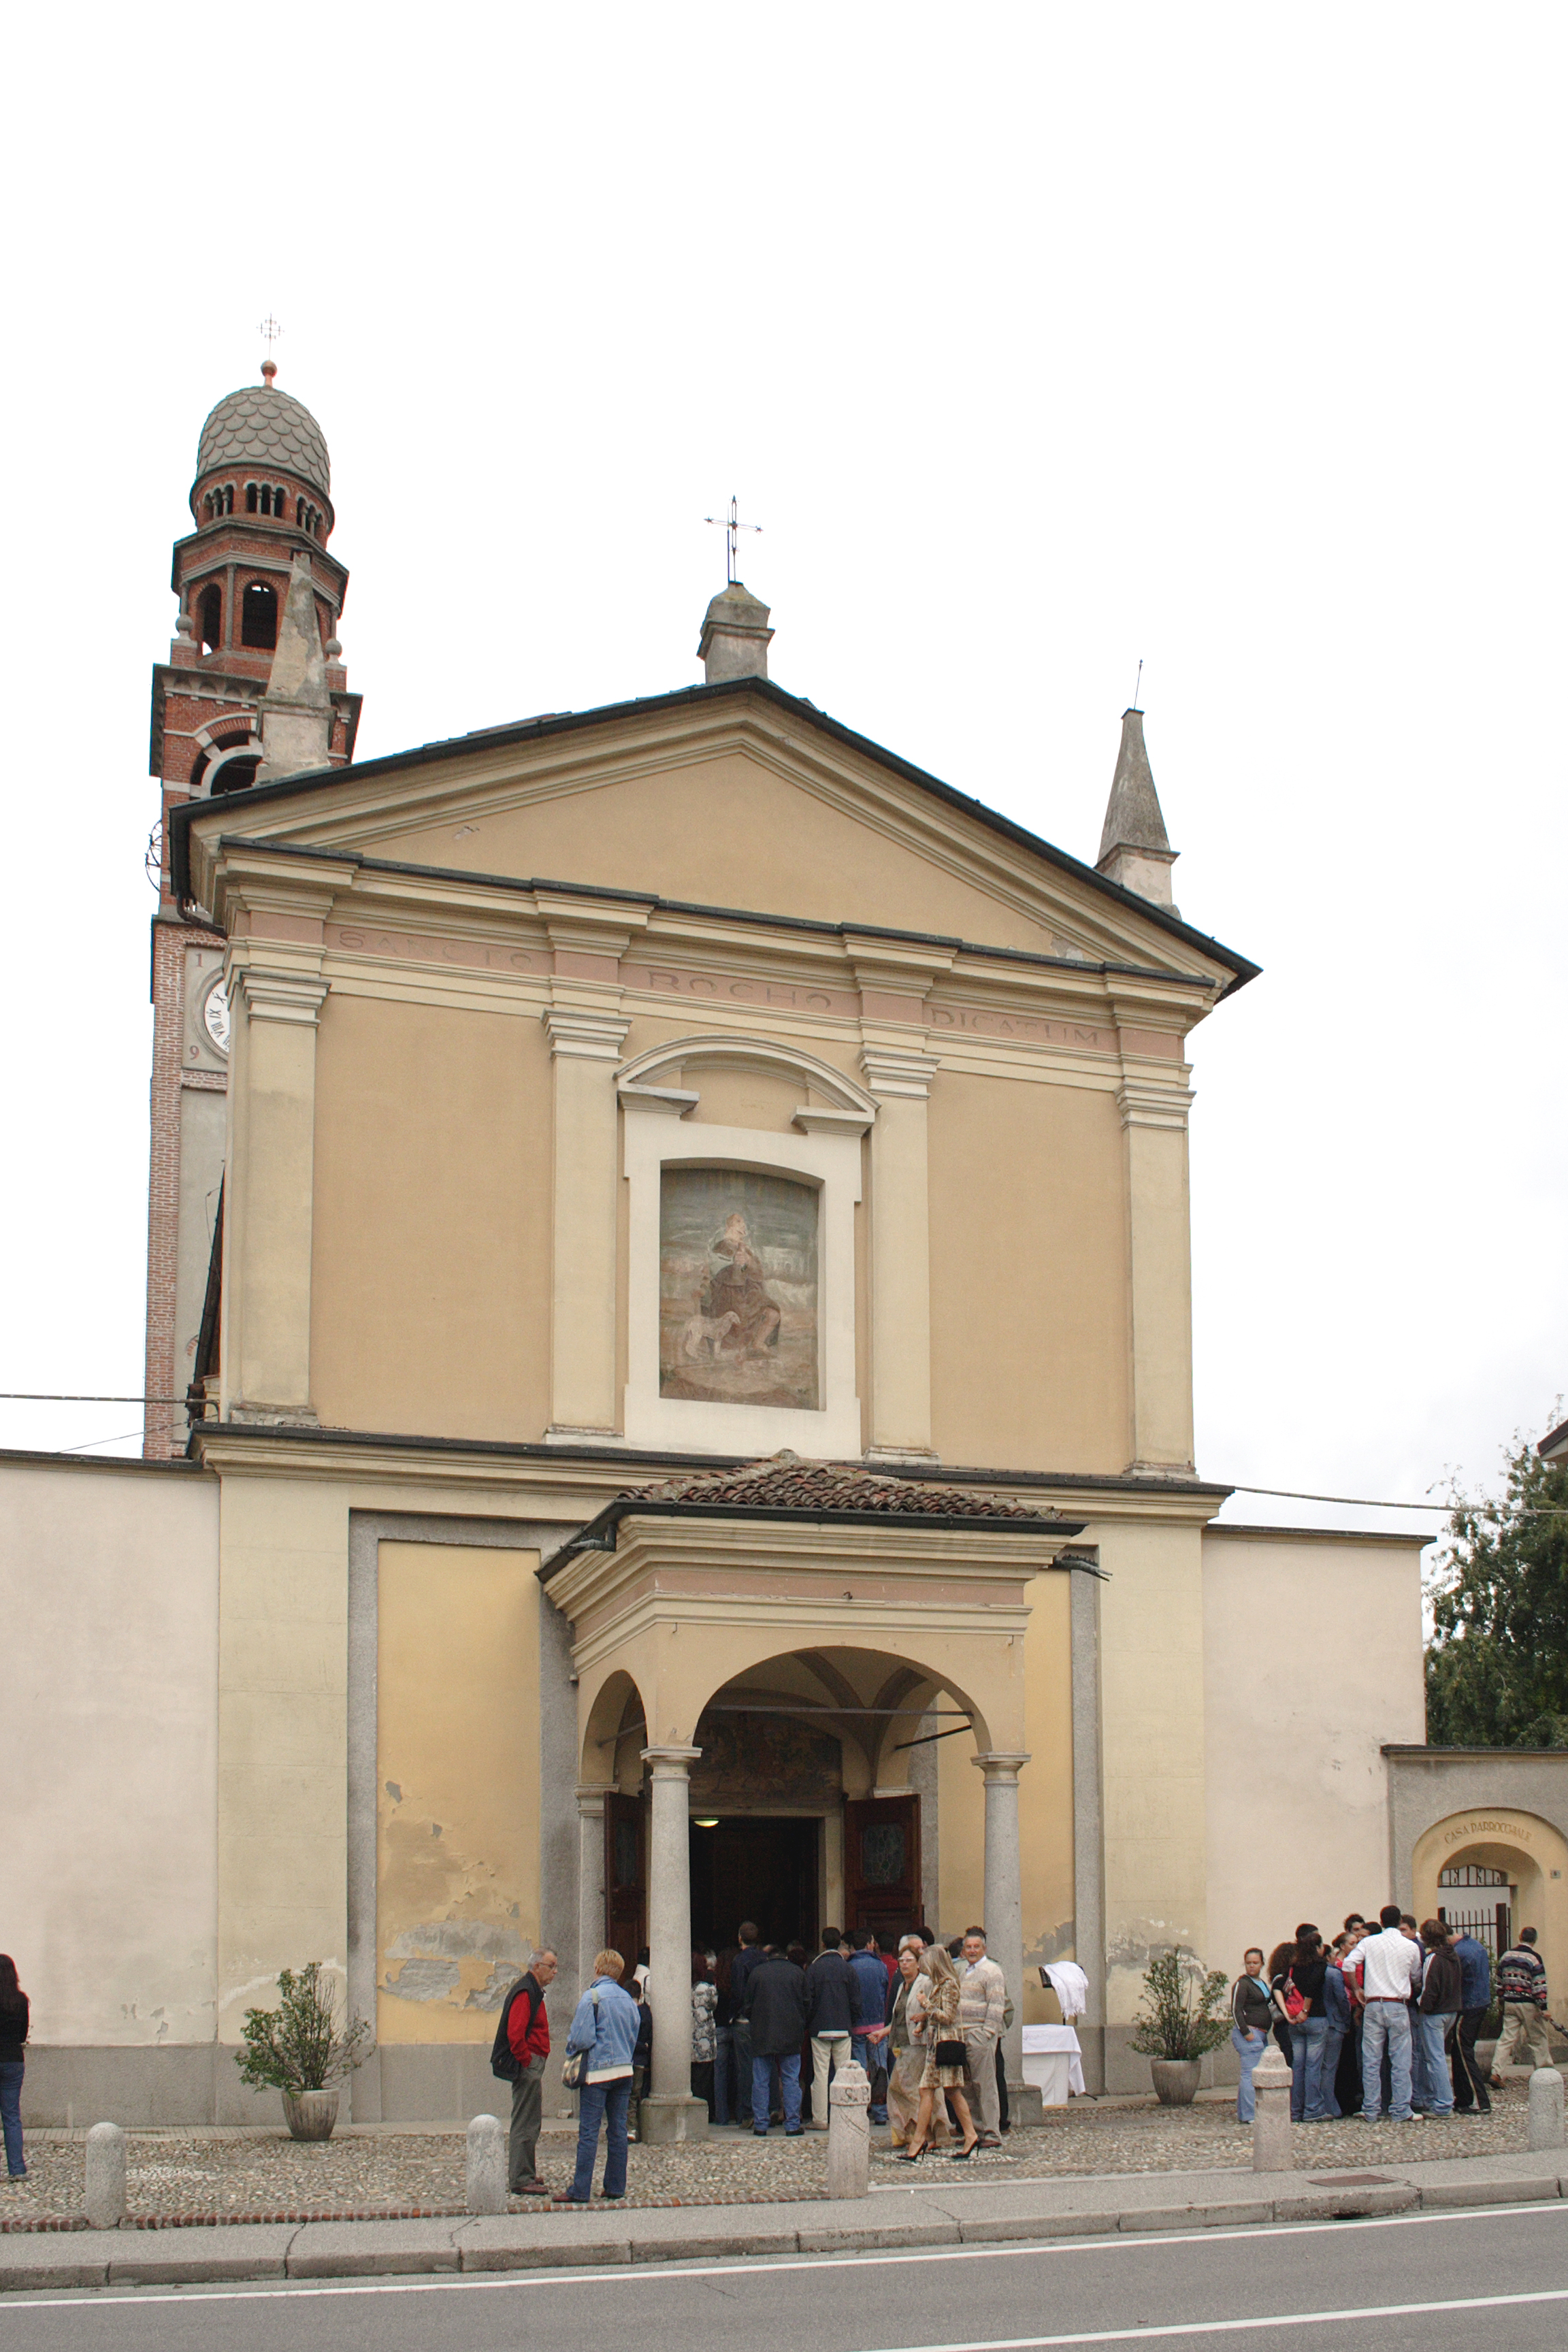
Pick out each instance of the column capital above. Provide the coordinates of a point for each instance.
(1001, 1765)
(591, 1795)
(898, 1070)
(578, 1035)
(1147, 1102)
(672, 1763)
(277, 995)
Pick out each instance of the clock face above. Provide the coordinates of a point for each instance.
(215, 1014)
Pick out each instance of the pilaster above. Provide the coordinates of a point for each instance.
(899, 1077)
(1158, 1259)
(273, 1013)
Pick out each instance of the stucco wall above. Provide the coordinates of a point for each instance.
(430, 1283)
(1505, 1809)
(109, 1703)
(1311, 1660)
(1028, 1282)
(458, 1777)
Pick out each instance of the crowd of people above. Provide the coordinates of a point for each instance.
(1385, 2020)
(769, 2028)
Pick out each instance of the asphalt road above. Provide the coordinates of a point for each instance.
(1414, 2284)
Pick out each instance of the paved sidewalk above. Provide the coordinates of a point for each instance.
(941, 2213)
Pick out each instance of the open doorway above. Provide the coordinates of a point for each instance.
(755, 1867)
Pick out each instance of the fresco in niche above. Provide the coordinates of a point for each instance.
(764, 1760)
(738, 1288)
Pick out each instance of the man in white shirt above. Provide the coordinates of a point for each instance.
(1390, 1975)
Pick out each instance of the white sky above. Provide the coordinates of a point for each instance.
(1040, 340)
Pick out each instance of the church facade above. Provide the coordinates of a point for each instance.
(673, 1299)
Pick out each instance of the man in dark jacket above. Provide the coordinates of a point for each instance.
(742, 1969)
(1470, 2091)
(773, 2005)
(832, 2011)
(875, 2002)
(523, 2038)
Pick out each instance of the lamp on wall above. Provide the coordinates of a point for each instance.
(707, 1824)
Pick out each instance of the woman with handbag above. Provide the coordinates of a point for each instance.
(599, 2069)
(945, 2053)
(1301, 1996)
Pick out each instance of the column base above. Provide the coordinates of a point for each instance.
(663, 2121)
(1025, 2105)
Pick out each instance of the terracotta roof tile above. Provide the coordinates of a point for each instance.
(786, 1482)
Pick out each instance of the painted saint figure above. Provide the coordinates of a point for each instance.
(735, 1291)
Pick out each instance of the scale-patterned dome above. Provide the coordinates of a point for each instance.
(259, 426)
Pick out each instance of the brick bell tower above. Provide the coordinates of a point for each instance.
(248, 578)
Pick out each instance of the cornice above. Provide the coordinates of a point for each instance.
(569, 752)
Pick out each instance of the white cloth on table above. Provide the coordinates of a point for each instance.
(1052, 2062)
(1070, 1984)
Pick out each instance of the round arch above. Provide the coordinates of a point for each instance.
(1530, 1851)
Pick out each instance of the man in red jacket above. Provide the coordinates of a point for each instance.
(527, 2031)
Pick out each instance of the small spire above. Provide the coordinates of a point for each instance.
(268, 369)
(735, 636)
(1134, 848)
(297, 708)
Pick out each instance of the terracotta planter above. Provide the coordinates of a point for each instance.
(310, 2115)
(1175, 2080)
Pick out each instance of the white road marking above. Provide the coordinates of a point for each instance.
(1240, 2327)
(763, 2265)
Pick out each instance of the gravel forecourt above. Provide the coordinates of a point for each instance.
(203, 2173)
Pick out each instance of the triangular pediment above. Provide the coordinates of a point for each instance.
(734, 798)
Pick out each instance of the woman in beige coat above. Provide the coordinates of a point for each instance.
(906, 2051)
(939, 2025)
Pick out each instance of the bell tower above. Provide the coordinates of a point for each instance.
(252, 578)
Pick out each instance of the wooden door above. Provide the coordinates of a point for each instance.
(626, 1879)
(882, 1865)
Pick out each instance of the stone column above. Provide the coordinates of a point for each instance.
(670, 2113)
(267, 1222)
(1159, 1285)
(585, 1046)
(1005, 1912)
(591, 1920)
(900, 1079)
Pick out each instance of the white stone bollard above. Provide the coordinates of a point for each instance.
(1271, 2114)
(1546, 2107)
(849, 2133)
(487, 2166)
(105, 2199)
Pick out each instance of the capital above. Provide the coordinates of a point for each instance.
(670, 1763)
(591, 1795)
(1000, 1767)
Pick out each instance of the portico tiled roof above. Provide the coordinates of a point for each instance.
(785, 1483)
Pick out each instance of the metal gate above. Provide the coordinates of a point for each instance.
(1490, 1924)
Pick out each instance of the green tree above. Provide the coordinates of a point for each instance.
(1497, 1664)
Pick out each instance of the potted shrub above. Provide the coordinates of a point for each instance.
(300, 2049)
(1177, 2023)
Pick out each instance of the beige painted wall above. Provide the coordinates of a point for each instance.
(457, 1791)
(1311, 1660)
(1029, 1275)
(109, 1703)
(282, 1736)
(777, 849)
(1153, 1745)
(430, 1304)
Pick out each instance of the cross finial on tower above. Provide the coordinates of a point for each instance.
(733, 525)
(270, 331)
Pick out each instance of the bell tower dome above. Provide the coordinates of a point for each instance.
(256, 569)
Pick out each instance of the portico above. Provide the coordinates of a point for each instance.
(805, 1596)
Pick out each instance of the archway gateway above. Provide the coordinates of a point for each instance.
(805, 1594)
